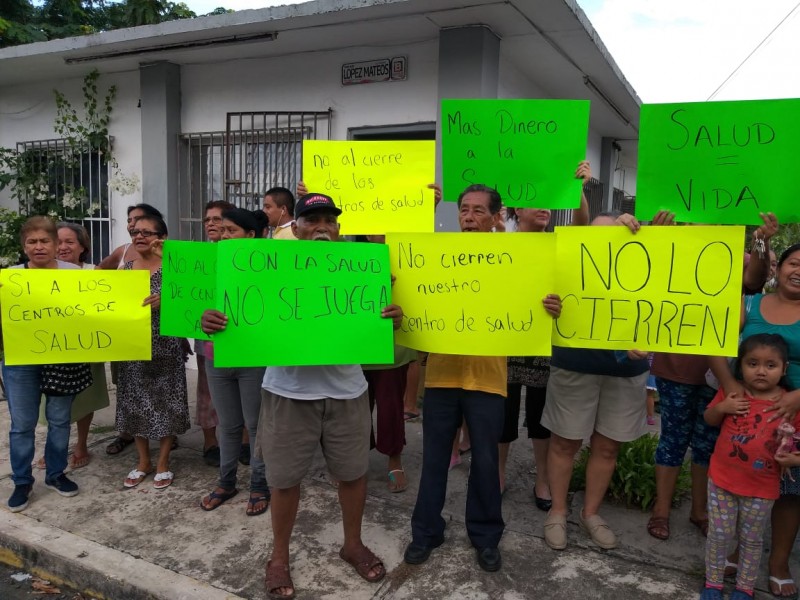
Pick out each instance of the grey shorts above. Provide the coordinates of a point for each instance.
(580, 403)
(289, 432)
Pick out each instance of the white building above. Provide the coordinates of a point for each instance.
(270, 77)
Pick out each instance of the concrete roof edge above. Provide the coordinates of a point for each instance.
(197, 25)
(601, 47)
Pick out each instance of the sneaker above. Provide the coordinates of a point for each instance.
(711, 594)
(63, 485)
(741, 595)
(599, 531)
(19, 499)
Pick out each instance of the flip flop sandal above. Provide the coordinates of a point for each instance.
(135, 477)
(780, 583)
(364, 562)
(117, 445)
(79, 463)
(222, 497)
(278, 577)
(394, 486)
(163, 480)
(658, 527)
(251, 510)
(410, 416)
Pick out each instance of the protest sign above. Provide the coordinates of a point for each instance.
(664, 289)
(380, 186)
(53, 316)
(474, 293)
(188, 288)
(718, 162)
(302, 303)
(528, 150)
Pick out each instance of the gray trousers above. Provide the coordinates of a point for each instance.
(236, 395)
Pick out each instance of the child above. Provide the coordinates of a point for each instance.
(744, 476)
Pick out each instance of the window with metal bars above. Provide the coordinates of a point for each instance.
(68, 184)
(257, 151)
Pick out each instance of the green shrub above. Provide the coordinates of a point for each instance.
(634, 480)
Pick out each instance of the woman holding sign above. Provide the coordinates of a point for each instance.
(24, 390)
(151, 395)
(777, 313)
(236, 395)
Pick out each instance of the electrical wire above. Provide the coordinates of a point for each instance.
(761, 43)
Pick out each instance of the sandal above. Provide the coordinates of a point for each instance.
(253, 501)
(135, 477)
(701, 524)
(410, 416)
(364, 562)
(214, 496)
(780, 583)
(163, 480)
(76, 462)
(394, 485)
(278, 577)
(118, 444)
(658, 527)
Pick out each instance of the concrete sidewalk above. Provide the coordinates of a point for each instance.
(130, 544)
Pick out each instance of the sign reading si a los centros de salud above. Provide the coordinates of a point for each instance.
(373, 71)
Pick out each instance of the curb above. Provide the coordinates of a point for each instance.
(64, 558)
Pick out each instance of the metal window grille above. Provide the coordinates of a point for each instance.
(63, 172)
(265, 149)
(594, 192)
(257, 151)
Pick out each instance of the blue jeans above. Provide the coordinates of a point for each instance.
(442, 411)
(236, 395)
(24, 395)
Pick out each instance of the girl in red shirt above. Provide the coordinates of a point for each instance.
(743, 476)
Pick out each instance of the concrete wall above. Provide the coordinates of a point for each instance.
(312, 82)
(27, 113)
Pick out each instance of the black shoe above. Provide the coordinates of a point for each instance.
(489, 559)
(244, 454)
(211, 456)
(544, 504)
(416, 554)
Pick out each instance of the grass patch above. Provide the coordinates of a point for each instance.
(634, 481)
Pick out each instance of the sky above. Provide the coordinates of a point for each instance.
(680, 50)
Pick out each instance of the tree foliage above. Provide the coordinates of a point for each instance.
(23, 22)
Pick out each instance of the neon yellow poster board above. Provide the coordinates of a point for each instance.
(528, 150)
(664, 289)
(53, 316)
(719, 162)
(297, 302)
(380, 186)
(474, 293)
(188, 288)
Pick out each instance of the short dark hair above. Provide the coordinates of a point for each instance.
(161, 226)
(147, 209)
(495, 201)
(220, 204)
(262, 220)
(283, 197)
(611, 214)
(770, 340)
(83, 238)
(246, 219)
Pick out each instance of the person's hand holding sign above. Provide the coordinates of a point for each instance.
(629, 221)
(153, 300)
(768, 229)
(663, 217)
(213, 321)
(393, 312)
(552, 304)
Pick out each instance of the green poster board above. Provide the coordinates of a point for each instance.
(719, 162)
(188, 287)
(526, 149)
(292, 303)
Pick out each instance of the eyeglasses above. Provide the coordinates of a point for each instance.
(215, 220)
(143, 232)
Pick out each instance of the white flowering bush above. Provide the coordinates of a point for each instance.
(10, 249)
(125, 185)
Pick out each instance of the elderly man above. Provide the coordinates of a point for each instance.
(472, 388)
(303, 407)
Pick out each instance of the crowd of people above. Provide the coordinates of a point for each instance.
(738, 419)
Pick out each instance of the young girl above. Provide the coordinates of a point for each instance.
(744, 476)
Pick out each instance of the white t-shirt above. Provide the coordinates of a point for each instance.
(340, 382)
